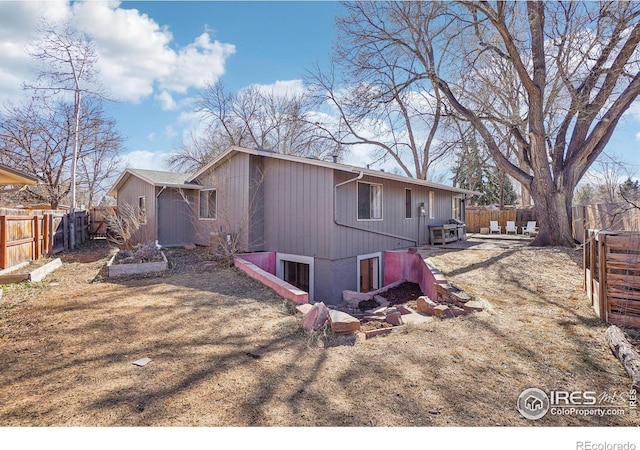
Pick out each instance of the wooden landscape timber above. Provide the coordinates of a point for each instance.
(625, 352)
(25, 273)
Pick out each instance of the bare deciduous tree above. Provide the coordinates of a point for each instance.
(38, 138)
(571, 68)
(383, 100)
(255, 118)
(67, 66)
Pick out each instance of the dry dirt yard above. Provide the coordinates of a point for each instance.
(228, 352)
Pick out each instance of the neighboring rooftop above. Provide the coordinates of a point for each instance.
(9, 175)
(157, 178)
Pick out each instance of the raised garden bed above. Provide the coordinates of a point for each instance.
(121, 266)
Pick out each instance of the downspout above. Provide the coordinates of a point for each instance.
(157, 214)
(335, 214)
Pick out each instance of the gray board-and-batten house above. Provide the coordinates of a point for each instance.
(327, 223)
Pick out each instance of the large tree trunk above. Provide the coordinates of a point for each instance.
(554, 217)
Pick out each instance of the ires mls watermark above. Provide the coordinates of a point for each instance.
(534, 403)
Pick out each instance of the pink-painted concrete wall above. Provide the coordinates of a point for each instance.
(281, 287)
(411, 267)
(265, 260)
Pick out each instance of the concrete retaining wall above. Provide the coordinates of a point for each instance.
(281, 287)
(264, 260)
(411, 267)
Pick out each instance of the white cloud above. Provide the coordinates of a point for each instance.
(282, 88)
(167, 103)
(144, 159)
(637, 136)
(18, 21)
(170, 132)
(135, 52)
(197, 64)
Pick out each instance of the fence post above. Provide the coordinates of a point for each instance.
(36, 237)
(65, 229)
(3, 242)
(602, 263)
(46, 224)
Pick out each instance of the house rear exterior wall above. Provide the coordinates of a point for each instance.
(230, 180)
(358, 237)
(175, 216)
(132, 189)
(298, 203)
(256, 237)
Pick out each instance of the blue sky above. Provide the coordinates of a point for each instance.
(157, 55)
(274, 42)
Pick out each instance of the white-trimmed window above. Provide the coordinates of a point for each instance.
(142, 209)
(296, 270)
(432, 199)
(369, 201)
(208, 204)
(408, 204)
(456, 208)
(369, 272)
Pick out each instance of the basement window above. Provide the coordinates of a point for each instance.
(369, 201)
(208, 203)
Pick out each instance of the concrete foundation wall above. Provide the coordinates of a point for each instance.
(333, 277)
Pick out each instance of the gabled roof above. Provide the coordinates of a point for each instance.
(329, 165)
(9, 175)
(157, 178)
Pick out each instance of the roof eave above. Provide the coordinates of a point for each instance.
(329, 165)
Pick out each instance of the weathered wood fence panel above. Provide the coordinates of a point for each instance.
(612, 275)
(604, 216)
(98, 220)
(23, 238)
(28, 237)
(480, 218)
(81, 226)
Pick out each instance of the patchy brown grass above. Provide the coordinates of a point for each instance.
(228, 352)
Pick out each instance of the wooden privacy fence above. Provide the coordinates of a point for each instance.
(612, 275)
(604, 216)
(480, 218)
(98, 220)
(28, 237)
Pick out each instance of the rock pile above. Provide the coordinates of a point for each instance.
(451, 302)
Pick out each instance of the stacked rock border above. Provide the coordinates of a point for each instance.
(349, 318)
